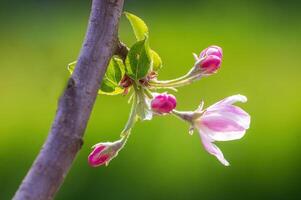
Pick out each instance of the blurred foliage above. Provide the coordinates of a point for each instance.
(261, 43)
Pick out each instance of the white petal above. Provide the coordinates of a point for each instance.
(223, 136)
(230, 112)
(229, 100)
(144, 111)
(213, 149)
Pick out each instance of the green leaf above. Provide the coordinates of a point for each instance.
(157, 62)
(111, 79)
(138, 61)
(139, 27)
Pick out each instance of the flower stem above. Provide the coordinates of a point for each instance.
(193, 75)
(178, 83)
(183, 115)
(148, 93)
(132, 118)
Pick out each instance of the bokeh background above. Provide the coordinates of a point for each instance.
(261, 43)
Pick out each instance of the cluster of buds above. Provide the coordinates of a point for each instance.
(136, 75)
(220, 122)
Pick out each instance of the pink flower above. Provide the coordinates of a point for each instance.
(163, 103)
(209, 60)
(222, 122)
(102, 153)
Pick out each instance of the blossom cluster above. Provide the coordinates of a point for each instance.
(136, 76)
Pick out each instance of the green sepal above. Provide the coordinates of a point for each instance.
(143, 106)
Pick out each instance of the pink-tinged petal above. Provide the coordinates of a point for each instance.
(227, 108)
(210, 64)
(220, 124)
(229, 100)
(230, 112)
(213, 149)
(223, 136)
(97, 161)
(104, 152)
(212, 50)
(97, 158)
(228, 123)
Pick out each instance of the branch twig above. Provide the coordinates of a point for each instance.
(74, 108)
(121, 50)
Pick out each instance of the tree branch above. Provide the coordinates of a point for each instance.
(74, 108)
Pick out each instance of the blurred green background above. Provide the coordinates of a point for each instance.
(261, 43)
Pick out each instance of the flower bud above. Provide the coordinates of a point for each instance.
(163, 103)
(103, 153)
(212, 50)
(209, 60)
(210, 64)
(97, 157)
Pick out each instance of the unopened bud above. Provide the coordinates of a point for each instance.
(103, 153)
(210, 60)
(210, 64)
(212, 50)
(163, 103)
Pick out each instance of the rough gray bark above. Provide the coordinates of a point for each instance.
(74, 108)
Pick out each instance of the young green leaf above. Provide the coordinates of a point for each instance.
(139, 27)
(138, 61)
(111, 79)
(157, 62)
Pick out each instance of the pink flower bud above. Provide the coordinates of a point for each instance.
(163, 103)
(210, 64)
(98, 157)
(212, 50)
(210, 59)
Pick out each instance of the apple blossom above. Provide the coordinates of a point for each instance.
(220, 122)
